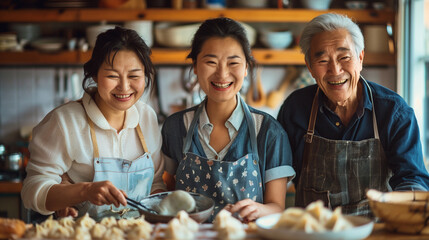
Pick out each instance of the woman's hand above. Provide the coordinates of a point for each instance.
(247, 210)
(104, 193)
(68, 211)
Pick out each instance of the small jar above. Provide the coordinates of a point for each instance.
(14, 162)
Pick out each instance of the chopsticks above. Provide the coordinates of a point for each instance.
(138, 205)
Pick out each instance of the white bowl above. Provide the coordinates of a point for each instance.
(143, 28)
(48, 44)
(316, 4)
(173, 35)
(276, 39)
(356, 4)
(93, 31)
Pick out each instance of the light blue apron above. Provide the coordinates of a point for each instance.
(133, 177)
(225, 181)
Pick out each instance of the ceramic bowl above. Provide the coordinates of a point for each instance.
(204, 206)
(174, 35)
(276, 39)
(356, 4)
(405, 212)
(316, 4)
(93, 31)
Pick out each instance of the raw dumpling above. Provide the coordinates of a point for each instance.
(85, 222)
(98, 230)
(289, 217)
(175, 202)
(60, 232)
(221, 219)
(140, 232)
(188, 222)
(113, 233)
(228, 227)
(176, 231)
(82, 233)
(309, 224)
(67, 221)
(37, 232)
(319, 211)
(109, 222)
(338, 222)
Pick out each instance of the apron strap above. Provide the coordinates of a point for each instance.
(141, 137)
(312, 122)
(96, 153)
(93, 137)
(251, 127)
(250, 124)
(374, 119)
(187, 144)
(313, 115)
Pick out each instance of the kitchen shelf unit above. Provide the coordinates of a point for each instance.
(171, 56)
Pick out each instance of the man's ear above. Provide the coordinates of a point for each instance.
(309, 68)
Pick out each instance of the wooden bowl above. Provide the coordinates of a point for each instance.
(405, 212)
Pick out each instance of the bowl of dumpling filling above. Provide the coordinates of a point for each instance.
(162, 207)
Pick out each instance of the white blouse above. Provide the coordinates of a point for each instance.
(62, 143)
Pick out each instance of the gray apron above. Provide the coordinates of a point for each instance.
(224, 181)
(134, 177)
(340, 171)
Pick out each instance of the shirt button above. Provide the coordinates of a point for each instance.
(337, 124)
(216, 157)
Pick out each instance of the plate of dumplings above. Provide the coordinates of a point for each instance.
(314, 222)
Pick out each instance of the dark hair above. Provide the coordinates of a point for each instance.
(112, 41)
(221, 27)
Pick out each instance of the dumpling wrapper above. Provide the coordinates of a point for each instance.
(176, 230)
(338, 222)
(176, 201)
(289, 217)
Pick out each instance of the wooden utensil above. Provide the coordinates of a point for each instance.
(256, 96)
(276, 97)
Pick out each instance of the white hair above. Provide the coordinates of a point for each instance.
(330, 22)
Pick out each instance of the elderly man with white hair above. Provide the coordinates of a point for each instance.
(348, 134)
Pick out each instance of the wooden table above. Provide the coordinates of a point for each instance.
(379, 233)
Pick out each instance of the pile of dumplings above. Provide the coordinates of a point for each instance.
(86, 228)
(314, 218)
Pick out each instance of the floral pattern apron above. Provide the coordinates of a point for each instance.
(133, 177)
(340, 171)
(225, 181)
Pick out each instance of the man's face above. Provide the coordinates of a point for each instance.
(335, 66)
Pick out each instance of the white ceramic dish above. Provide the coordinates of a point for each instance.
(48, 44)
(363, 228)
(356, 4)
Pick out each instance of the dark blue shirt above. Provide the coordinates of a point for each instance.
(397, 126)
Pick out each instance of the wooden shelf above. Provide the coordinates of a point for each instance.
(10, 187)
(166, 56)
(187, 15)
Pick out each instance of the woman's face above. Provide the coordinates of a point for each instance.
(221, 67)
(120, 86)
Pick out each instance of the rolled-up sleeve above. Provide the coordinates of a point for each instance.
(405, 153)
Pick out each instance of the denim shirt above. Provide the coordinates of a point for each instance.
(397, 125)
